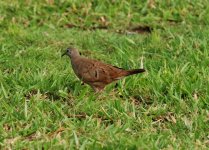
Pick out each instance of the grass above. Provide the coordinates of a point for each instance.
(44, 106)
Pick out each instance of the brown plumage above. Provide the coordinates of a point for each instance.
(95, 73)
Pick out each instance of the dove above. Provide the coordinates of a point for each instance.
(96, 73)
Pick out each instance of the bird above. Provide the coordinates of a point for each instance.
(96, 73)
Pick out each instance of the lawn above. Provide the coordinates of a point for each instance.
(43, 104)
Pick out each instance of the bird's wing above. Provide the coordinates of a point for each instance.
(90, 70)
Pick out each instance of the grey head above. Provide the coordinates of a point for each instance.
(71, 52)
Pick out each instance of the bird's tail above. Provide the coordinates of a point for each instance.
(134, 71)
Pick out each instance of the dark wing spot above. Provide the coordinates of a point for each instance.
(96, 74)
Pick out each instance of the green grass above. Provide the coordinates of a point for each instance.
(44, 106)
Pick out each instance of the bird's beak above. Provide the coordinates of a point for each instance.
(65, 53)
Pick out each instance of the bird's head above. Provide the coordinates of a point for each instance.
(71, 52)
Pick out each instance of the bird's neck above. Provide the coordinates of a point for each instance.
(74, 58)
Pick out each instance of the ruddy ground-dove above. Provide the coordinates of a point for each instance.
(95, 73)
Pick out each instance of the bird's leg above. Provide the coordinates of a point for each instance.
(94, 88)
(100, 90)
(97, 90)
